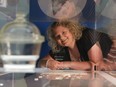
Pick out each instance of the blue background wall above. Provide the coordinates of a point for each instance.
(37, 17)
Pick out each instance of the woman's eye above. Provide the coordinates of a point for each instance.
(64, 32)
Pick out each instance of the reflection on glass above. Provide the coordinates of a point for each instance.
(61, 9)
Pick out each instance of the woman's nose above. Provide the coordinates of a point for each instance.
(62, 37)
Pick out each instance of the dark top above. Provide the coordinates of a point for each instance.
(88, 39)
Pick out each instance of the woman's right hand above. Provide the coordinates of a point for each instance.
(52, 64)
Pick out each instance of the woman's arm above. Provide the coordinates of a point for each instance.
(48, 62)
(75, 65)
(95, 56)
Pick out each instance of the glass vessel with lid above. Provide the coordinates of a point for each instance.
(20, 44)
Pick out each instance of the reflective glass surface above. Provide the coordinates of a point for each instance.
(44, 77)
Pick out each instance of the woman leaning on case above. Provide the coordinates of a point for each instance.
(76, 47)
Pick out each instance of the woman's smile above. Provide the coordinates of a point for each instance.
(64, 41)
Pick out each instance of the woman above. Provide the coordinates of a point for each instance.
(76, 47)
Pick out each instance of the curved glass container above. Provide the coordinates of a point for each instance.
(20, 44)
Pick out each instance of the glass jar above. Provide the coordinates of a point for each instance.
(20, 44)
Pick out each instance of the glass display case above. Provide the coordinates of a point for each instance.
(44, 77)
(20, 43)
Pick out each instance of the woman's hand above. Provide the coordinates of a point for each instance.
(106, 66)
(64, 65)
(53, 64)
(56, 65)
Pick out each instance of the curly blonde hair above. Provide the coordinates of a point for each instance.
(74, 27)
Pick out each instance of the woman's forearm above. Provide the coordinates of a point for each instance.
(81, 65)
(78, 65)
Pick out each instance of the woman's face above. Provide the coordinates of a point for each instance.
(63, 36)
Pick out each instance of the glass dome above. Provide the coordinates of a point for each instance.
(20, 43)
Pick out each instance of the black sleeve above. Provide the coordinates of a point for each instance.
(90, 37)
(105, 43)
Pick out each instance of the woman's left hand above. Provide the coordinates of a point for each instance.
(106, 66)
